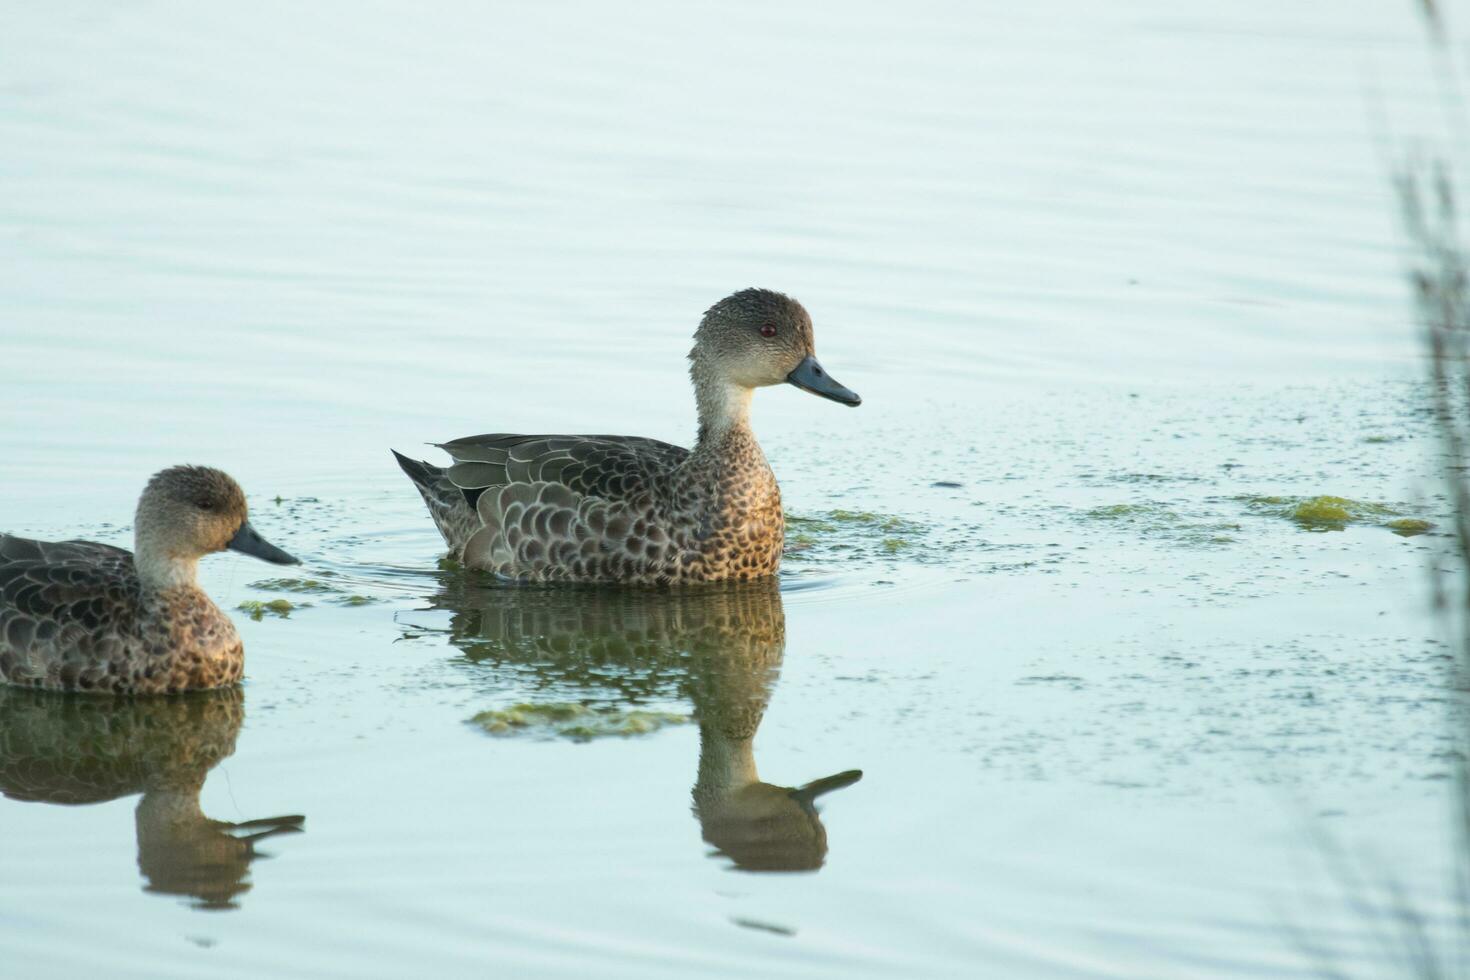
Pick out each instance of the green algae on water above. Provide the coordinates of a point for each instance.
(853, 534)
(305, 586)
(311, 586)
(258, 610)
(885, 522)
(1336, 510)
(577, 722)
(1156, 520)
(1408, 526)
(1331, 513)
(836, 520)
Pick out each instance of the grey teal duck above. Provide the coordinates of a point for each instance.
(626, 509)
(82, 616)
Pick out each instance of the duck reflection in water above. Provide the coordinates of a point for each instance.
(82, 750)
(720, 646)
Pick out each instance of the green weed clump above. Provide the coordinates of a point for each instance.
(854, 534)
(1331, 513)
(576, 722)
(258, 610)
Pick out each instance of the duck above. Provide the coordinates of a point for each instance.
(630, 509)
(83, 616)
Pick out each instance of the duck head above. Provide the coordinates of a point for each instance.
(187, 512)
(759, 337)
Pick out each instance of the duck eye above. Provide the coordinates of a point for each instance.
(769, 330)
(204, 504)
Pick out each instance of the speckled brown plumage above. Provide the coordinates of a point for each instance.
(627, 509)
(81, 616)
(79, 622)
(77, 751)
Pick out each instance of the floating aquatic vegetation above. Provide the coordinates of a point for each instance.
(311, 586)
(577, 722)
(1128, 512)
(799, 542)
(305, 586)
(1330, 513)
(1409, 526)
(849, 534)
(258, 610)
(1153, 519)
(834, 520)
(1336, 510)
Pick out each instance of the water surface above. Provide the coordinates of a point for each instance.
(1120, 287)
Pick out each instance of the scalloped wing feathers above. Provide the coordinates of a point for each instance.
(73, 616)
(611, 467)
(567, 507)
(604, 509)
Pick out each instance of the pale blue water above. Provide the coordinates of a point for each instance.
(1076, 258)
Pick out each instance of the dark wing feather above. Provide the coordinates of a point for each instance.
(607, 467)
(64, 615)
(13, 548)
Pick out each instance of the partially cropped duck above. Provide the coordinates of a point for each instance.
(634, 510)
(81, 616)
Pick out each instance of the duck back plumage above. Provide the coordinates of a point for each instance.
(601, 508)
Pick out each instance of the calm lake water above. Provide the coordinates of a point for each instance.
(1120, 285)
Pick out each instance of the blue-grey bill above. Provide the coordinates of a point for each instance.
(248, 541)
(809, 376)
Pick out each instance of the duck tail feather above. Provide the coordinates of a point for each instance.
(419, 471)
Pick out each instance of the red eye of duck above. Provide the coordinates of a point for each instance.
(768, 330)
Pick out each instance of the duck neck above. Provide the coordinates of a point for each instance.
(724, 411)
(159, 568)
